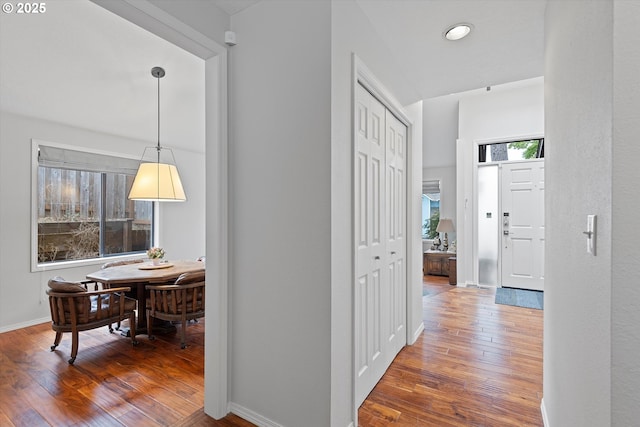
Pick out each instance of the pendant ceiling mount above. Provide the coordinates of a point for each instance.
(157, 72)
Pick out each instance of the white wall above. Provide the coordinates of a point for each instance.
(414, 226)
(625, 234)
(351, 32)
(292, 261)
(22, 293)
(280, 213)
(507, 111)
(440, 117)
(591, 303)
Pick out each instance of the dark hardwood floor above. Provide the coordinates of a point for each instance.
(476, 364)
(111, 383)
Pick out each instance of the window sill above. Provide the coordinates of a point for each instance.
(60, 265)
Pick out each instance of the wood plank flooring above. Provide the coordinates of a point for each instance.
(111, 383)
(476, 364)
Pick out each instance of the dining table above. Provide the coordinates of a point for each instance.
(138, 275)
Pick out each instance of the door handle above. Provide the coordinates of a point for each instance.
(376, 257)
(393, 252)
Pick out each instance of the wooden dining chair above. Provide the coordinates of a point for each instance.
(75, 309)
(89, 284)
(180, 301)
(121, 262)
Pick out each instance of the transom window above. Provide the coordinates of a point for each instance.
(82, 209)
(510, 151)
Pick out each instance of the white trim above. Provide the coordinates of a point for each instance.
(251, 416)
(26, 324)
(543, 412)
(363, 75)
(416, 333)
(217, 239)
(148, 16)
(366, 78)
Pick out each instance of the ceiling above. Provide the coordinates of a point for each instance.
(87, 67)
(81, 65)
(231, 7)
(505, 45)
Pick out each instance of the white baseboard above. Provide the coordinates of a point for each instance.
(417, 333)
(251, 416)
(543, 411)
(255, 418)
(466, 284)
(24, 324)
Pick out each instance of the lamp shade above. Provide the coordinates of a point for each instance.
(157, 182)
(445, 226)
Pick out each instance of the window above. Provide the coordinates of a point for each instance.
(430, 208)
(82, 209)
(514, 150)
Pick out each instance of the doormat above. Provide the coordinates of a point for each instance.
(520, 298)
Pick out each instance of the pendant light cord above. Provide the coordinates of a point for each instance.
(159, 148)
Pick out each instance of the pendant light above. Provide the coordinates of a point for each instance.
(158, 179)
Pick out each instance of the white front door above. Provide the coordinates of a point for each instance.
(380, 235)
(523, 225)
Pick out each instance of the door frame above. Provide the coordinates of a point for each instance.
(155, 20)
(361, 74)
(476, 164)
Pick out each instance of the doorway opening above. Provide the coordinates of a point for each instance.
(509, 232)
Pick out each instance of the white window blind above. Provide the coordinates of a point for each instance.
(63, 158)
(431, 188)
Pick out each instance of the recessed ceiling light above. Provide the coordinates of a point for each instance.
(458, 31)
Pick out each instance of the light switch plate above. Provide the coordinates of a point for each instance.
(591, 234)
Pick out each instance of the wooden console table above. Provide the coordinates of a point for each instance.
(436, 263)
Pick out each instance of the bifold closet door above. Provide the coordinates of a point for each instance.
(380, 241)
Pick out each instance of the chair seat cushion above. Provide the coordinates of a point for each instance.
(129, 303)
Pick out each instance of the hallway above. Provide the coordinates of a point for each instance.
(476, 364)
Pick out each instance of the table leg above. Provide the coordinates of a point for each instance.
(160, 327)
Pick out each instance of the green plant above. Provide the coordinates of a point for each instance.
(430, 225)
(530, 148)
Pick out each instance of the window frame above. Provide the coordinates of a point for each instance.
(38, 266)
(479, 148)
(426, 185)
